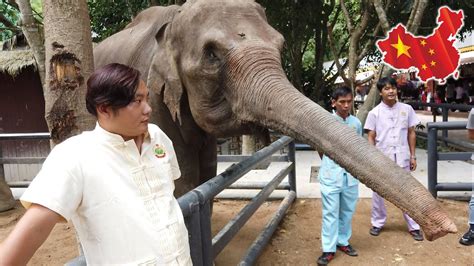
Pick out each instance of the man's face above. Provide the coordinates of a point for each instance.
(343, 105)
(389, 93)
(132, 120)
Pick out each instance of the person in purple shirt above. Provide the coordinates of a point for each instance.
(391, 128)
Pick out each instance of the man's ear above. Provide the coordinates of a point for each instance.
(104, 110)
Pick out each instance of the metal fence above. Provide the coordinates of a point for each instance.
(444, 107)
(434, 156)
(8, 160)
(196, 204)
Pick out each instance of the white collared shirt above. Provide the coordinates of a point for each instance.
(120, 201)
(391, 124)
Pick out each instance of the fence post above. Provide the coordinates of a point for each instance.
(432, 160)
(194, 230)
(2, 172)
(206, 234)
(292, 174)
(445, 119)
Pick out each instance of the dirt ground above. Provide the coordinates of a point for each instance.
(297, 239)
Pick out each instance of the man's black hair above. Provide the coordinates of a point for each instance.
(340, 92)
(113, 85)
(386, 81)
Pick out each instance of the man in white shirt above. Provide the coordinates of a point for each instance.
(114, 183)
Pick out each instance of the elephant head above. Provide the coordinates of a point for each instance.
(215, 69)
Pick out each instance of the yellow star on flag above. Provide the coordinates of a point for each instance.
(423, 42)
(424, 67)
(431, 51)
(402, 49)
(433, 63)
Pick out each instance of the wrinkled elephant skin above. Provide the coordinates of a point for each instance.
(213, 68)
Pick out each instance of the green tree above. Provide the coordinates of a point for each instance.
(303, 24)
(10, 17)
(109, 17)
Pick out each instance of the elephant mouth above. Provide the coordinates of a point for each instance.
(220, 121)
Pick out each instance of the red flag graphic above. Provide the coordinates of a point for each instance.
(434, 56)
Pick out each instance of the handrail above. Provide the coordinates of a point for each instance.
(462, 107)
(211, 188)
(196, 206)
(434, 156)
(23, 136)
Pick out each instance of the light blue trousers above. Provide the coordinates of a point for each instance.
(338, 207)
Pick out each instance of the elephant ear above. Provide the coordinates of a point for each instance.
(164, 75)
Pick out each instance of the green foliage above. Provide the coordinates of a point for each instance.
(298, 22)
(10, 14)
(111, 16)
(429, 19)
(37, 7)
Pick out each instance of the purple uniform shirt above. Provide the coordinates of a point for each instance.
(391, 128)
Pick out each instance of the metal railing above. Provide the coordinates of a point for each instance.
(434, 156)
(196, 207)
(20, 160)
(445, 107)
(196, 204)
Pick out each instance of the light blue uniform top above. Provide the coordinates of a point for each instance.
(330, 173)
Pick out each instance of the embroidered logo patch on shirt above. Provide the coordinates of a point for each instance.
(403, 113)
(159, 151)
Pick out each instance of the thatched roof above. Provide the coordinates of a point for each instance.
(13, 62)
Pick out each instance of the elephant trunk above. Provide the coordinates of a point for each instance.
(262, 94)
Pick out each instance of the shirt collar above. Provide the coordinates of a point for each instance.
(115, 138)
(340, 118)
(387, 106)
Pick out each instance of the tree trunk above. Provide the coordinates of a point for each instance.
(34, 35)
(418, 14)
(249, 147)
(69, 63)
(413, 24)
(373, 98)
(249, 144)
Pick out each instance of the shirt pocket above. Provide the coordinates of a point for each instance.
(403, 122)
(330, 176)
(403, 159)
(160, 171)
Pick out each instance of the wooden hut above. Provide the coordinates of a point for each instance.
(21, 111)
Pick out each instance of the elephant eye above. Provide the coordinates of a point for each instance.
(210, 52)
(212, 55)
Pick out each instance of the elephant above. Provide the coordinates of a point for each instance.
(213, 68)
